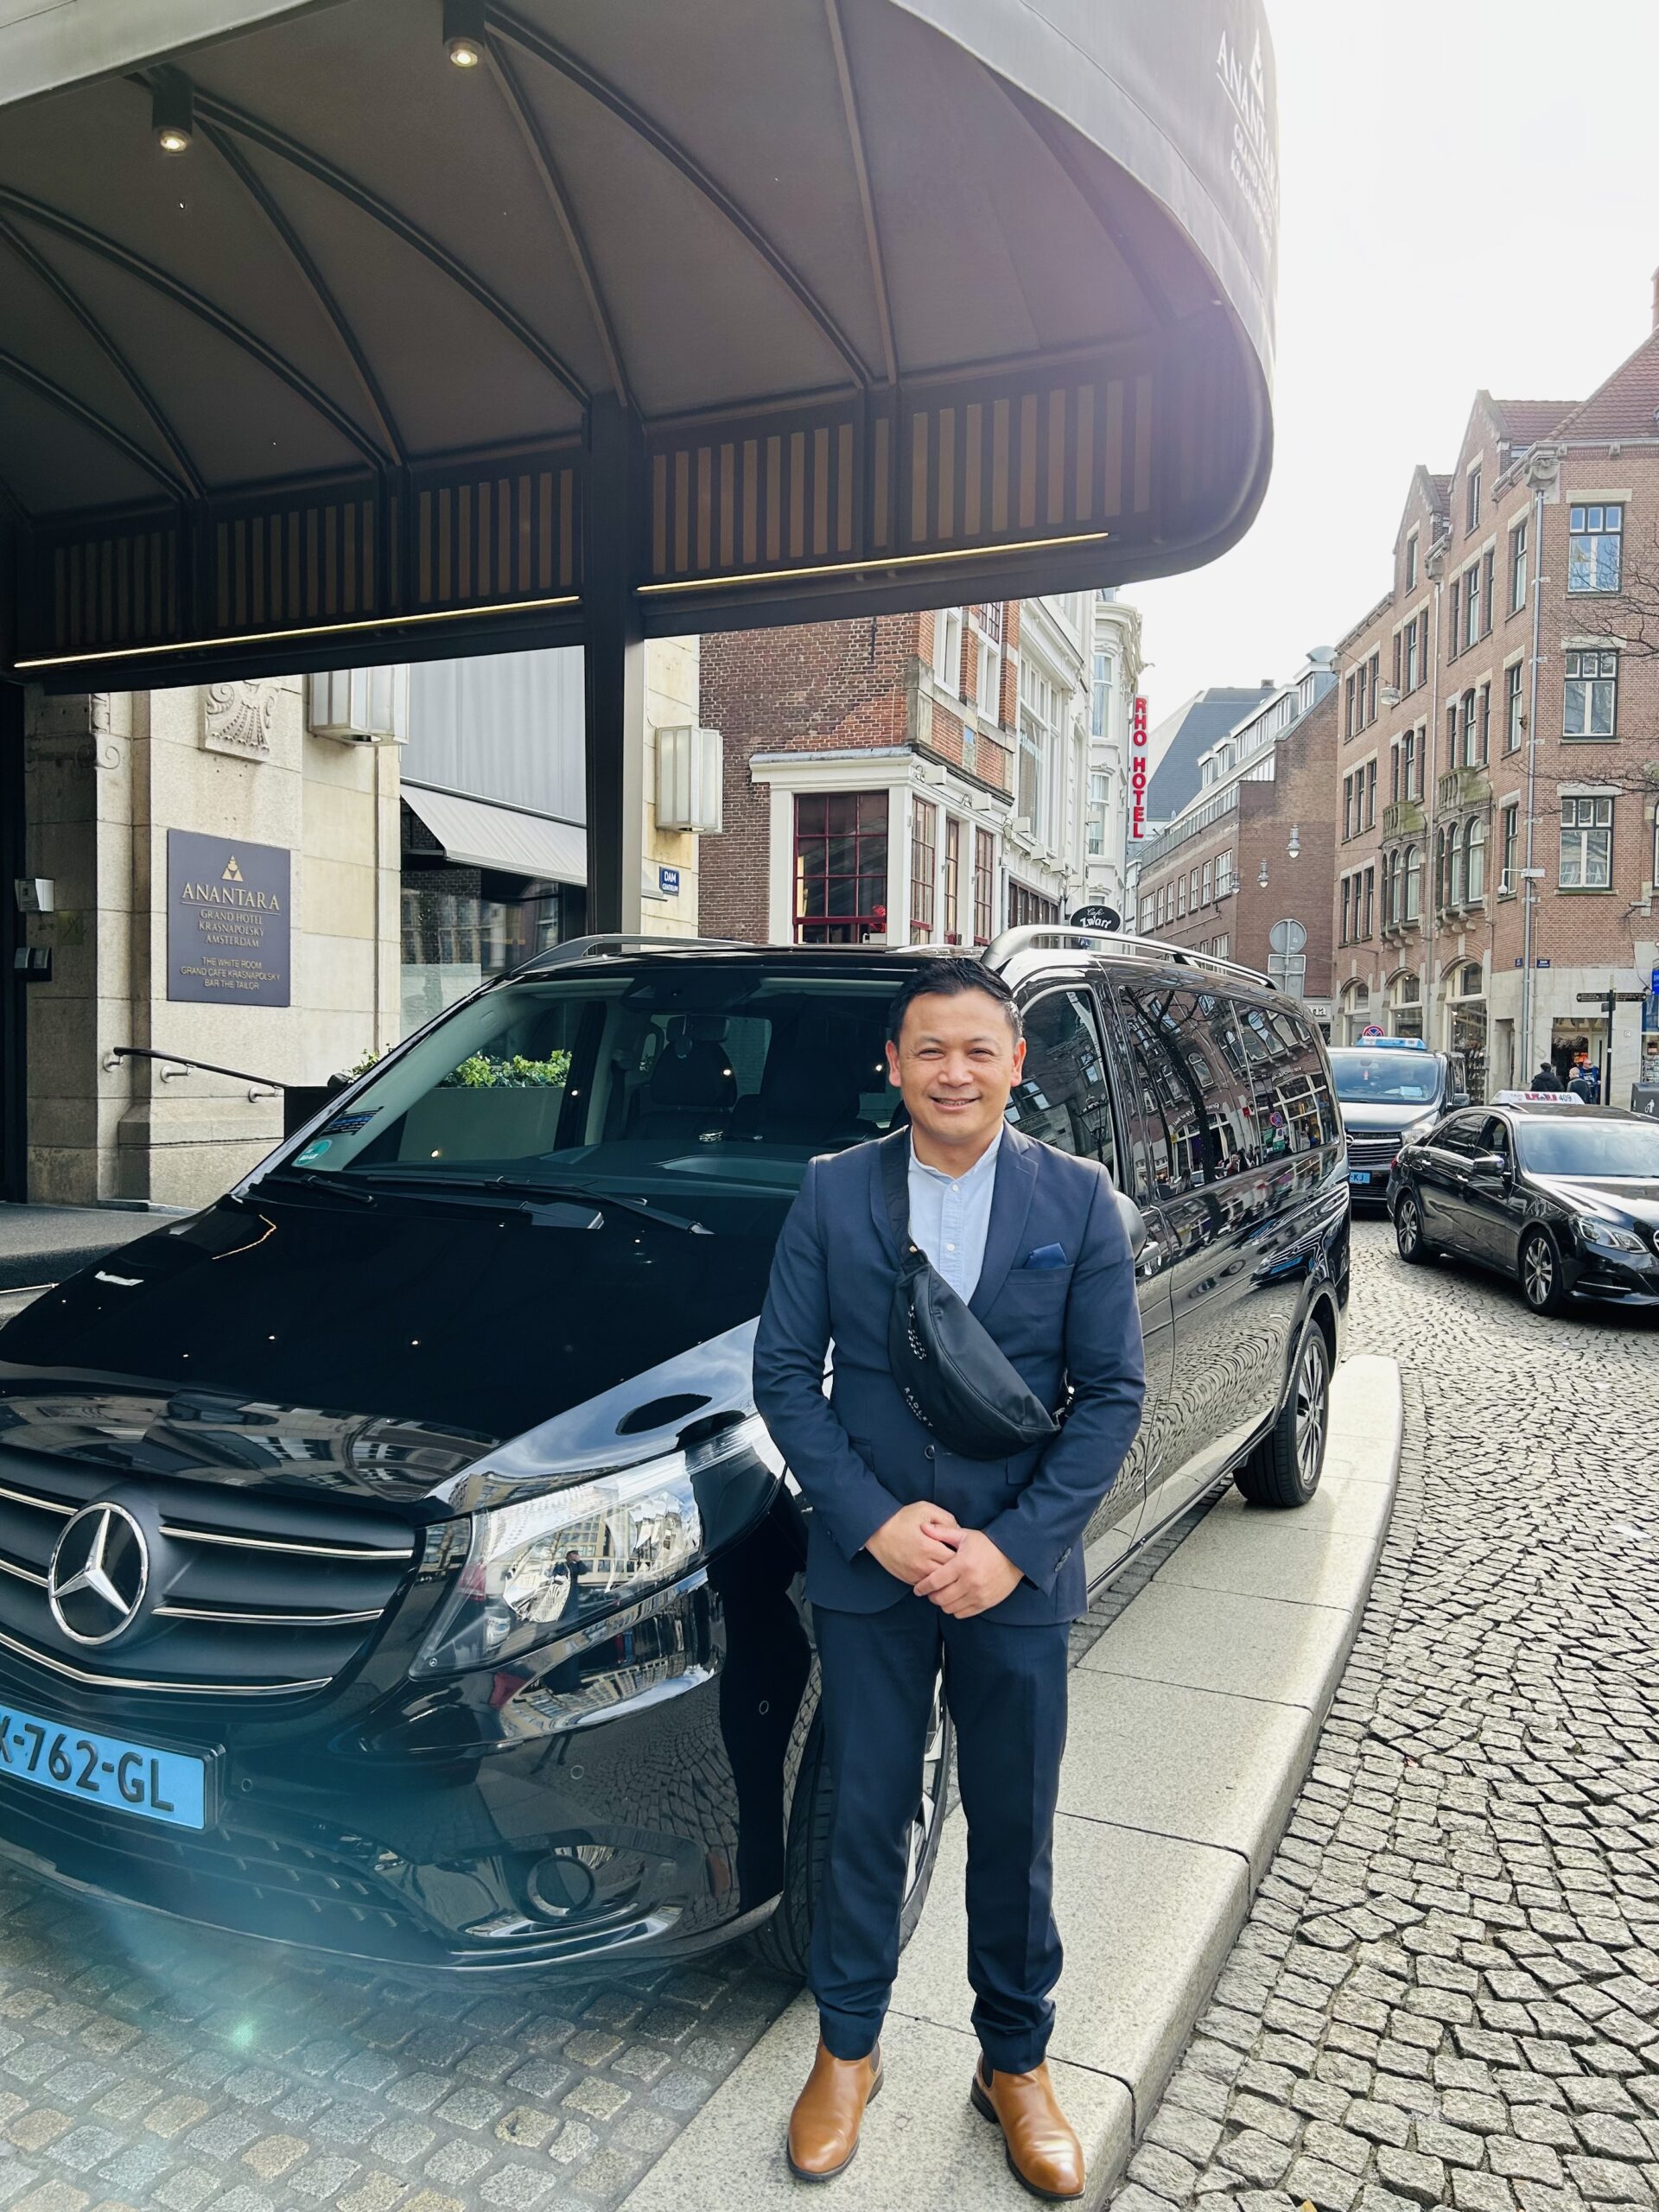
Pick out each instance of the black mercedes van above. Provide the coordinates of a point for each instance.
(391, 1560)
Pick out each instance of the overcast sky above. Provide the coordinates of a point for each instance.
(1469, 199)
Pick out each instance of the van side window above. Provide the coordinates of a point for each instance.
(1290, 1111)
(1168, 1112)
(1214, 1032)
(1062, 1096)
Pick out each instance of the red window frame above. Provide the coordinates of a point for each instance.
(841, 866)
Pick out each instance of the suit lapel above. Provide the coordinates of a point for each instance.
(878, 1197)
(1016, 1179)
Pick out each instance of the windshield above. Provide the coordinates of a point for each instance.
(1595, 1149)
(676, 1083)
(1387, 1078)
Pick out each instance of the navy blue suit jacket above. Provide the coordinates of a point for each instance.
(860, 1453)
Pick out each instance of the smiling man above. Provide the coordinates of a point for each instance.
(920, 1559)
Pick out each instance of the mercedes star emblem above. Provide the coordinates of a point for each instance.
(99, 1571)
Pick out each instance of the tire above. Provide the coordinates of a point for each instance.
(1412, 1246)
(1285, 1467)
(784, 1941)
(1539, 1266)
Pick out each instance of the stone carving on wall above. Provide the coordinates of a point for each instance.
(236, 718)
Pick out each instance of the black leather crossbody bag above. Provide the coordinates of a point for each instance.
(956, 1378)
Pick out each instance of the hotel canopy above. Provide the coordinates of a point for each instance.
(368, 331)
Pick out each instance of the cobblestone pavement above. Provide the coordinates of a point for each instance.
(1447, 1991)
(144, 2066)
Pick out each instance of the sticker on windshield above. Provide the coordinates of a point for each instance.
(344, 1124)
(313, 1151)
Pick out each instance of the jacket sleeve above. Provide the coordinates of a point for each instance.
(1106, 1367)
(789, 1349)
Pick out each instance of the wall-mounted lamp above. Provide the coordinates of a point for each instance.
(1295, 845)
(463, 32)
(172, 110)
(1262, 878)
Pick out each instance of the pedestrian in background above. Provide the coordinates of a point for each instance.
(1546, 1079)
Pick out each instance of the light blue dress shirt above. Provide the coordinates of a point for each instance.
(949, 1215)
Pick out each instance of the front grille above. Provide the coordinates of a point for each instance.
(251, 1594)
(1373, 1152)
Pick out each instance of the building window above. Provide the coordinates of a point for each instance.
(1374, 673)
(1348, 708)
(1411, 656)
(989, 683)
(947, 648)
(1224, 874)
(1040, 722)
(1474, 863)
(1591, 695)
(1592, 548)
(1512, 709)
(1509, 832)
(924, 856)
(1391, 889)
(1473, 750)
(1028, 909)
(1181, 898)
(1100, 697)
(1193, 888)
(1471, 606)
(1455, 631)
(984, 882)
(1413, 873)
(952, 880)
(1518, 567)
(1287, 957)
(1146, 916)
(1411, 562)
(1586, 844)
(1472, 515)
(841, 866)
(1410, 765)
(1347, 808)
(1370, 794)
(1445, 868)
(1205, 888)
(1346, 933)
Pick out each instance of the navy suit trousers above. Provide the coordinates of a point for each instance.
(1005, 1686)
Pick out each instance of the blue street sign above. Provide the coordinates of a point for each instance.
(1542, 964)
(668, 880)
(1653, 982)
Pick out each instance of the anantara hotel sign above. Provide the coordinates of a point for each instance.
(1138, 769)
(227, 920)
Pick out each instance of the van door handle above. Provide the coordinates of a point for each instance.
(1152, 1253)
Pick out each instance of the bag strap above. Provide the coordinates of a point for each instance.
(895, 1187)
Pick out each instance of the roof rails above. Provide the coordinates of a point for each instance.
(1123, 945)
(588, 948)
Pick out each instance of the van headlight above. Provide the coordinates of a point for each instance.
(543, 1570)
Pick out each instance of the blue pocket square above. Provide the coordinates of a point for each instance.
(1046, 1255)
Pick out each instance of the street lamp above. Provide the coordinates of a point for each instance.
(1292, 850)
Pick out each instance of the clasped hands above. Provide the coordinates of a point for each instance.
(959, 1569)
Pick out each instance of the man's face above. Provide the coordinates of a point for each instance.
(955, 1063)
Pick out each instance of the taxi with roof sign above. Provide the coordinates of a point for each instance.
(1559, 1195)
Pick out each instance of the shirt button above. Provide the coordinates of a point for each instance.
(950, 1248)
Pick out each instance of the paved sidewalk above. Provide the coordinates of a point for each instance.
(42, 1245)
(1194, 1718)
(1448, 1991)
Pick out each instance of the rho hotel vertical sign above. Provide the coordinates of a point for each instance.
(1138, 769)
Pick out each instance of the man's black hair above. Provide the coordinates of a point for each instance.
(942, 976)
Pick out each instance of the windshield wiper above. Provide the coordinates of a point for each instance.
(314, 1180)
(548, 1194)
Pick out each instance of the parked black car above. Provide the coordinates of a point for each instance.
(391, 1558)
(1390, 1089)
(1561, 1196)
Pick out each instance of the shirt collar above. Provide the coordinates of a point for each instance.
(982, 1168)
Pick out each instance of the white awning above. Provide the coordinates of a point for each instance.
(479, 833)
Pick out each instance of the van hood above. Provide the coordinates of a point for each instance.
(417, 1352)
(1363, 1117)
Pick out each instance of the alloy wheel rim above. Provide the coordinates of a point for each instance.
(930, 1806)
(1310, 1412)
(1539, 1270)
(1407, 1225)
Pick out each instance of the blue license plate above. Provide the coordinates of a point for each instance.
(103, 1770)
(1359, 1174)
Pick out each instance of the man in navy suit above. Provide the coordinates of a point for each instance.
(918, 1558)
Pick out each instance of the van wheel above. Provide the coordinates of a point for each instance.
(1284, 1469)
(1413, 1247)
(785, 1939)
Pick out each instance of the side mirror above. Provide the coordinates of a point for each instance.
(1134, 1224)
(1489, 1166)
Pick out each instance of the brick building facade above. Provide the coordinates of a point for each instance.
(1465, 760)
(900, 780)
(1222, 877)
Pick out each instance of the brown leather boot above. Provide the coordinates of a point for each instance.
(824, 2126)
(1043, 2152)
